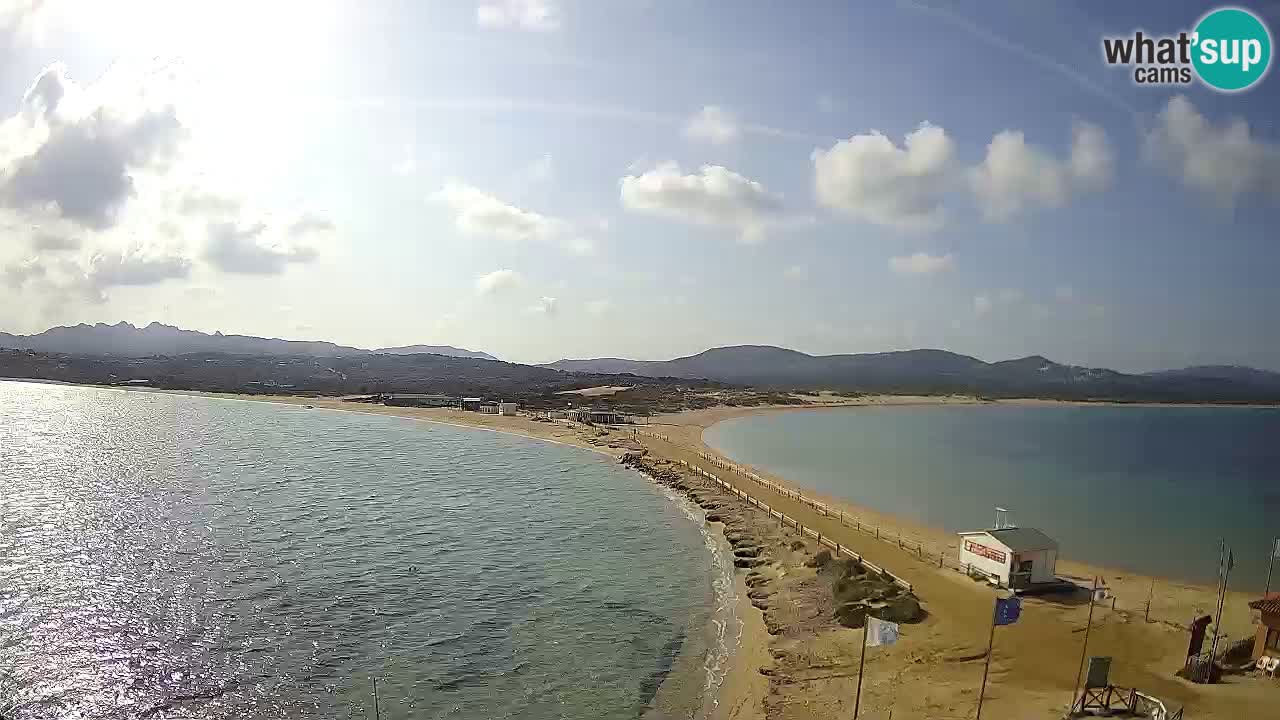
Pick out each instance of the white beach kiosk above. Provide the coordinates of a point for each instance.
(1010, 556)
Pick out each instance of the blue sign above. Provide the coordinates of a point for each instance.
(1008, 610)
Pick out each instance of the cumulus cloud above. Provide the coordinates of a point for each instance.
(45, 242)
(713, 124)
(83, 165)
(714, 196)
(479, 213)
(871, 179)
(921, 263)
(19, 273)
(985, 302)
(519, 14)
(545, 306)
(19, 23)
(135, 267)
(1224, 162)
(252, 249)
(498, 281)
(1016, 175)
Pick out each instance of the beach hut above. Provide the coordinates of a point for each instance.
(1267, 641)
(1016, 558)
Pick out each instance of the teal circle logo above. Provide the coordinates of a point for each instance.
(1231, 49)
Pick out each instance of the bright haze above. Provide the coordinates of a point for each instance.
(542, 179)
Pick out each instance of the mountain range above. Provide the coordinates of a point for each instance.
(940, 371)
(763, 366)
(124, 339)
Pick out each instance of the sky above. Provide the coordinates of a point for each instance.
(542, 179)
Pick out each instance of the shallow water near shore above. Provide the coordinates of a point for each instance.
(174, 556)
(1144, 489)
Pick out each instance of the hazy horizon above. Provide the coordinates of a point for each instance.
(547, 179)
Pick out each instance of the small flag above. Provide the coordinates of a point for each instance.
(881, 632)
(1008, 610)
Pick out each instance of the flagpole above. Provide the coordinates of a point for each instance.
(1271, 563)
(1222, 599)
(990, 643)
(857, 702)
(1084, 651)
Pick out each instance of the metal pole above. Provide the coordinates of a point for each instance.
(1146, 617)
(1084, 651)
(377, 715)
(857, 701)
(995, 612)
(1271, 563)
(1222, 598)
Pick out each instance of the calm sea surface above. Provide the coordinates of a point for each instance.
(165, 556)
(1145, 489)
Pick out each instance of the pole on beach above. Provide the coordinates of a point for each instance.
(862, 661)
(1146, 617)
(987, 668)
(1225, 571)
(1084, 651)
(1271, 563)
(377, 714)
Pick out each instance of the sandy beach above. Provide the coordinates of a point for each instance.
(794, 660)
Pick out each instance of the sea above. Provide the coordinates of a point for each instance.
(168, 556)
(1152, 490)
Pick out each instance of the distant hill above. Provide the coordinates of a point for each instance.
(940, 371)
(124, 339)
(446, 350)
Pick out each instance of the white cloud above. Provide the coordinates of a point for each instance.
(134, 266)
(714, 196)
(19, 273)
(599, 307)
(713, 124)
(545, 306)
(921, 263)
(1016, 175)
(796, 272)
(519, 14)
(1224, 162)
(498, 281)
(478, 213)
(80, 161)
(869, 178)
(985, 302)
(255, 249)
(19, 24)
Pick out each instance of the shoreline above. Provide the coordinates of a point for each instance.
(929, 672)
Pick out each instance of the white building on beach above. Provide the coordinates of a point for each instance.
(1017, 558)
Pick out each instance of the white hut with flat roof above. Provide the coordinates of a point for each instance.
(1016, 558)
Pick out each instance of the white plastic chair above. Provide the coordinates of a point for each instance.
(1263, 663)
(1273, 666)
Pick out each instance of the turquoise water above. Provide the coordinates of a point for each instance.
(167, 556)
(1147, 489)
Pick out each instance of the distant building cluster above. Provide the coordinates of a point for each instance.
(471, 404)
(590, 415)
